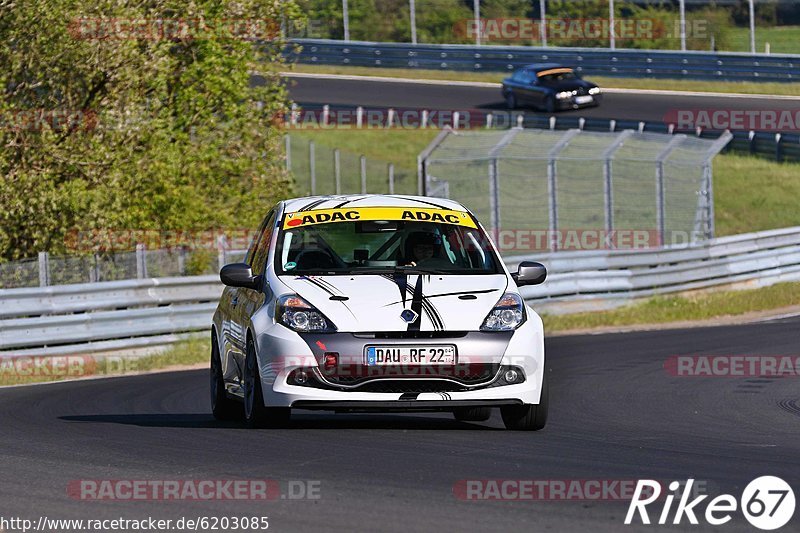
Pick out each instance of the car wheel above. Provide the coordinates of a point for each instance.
(511, 100)
(256, 414)
(527, 417)
(473, 414)
(550, 104)
(222, 407)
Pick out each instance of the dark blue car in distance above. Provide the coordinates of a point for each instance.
(549, 87)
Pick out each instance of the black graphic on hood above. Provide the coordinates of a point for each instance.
(429, 296)
(401, 280)
(329, 288)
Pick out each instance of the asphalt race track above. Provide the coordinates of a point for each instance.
(615, 414)
(620, 106)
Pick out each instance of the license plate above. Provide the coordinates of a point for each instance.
(583, 99)
(410, 355)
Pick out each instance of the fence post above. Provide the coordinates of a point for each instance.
(312, 167)
(337, 172)
(326, 114)
(359, 116)
(44, 269)
(141, 261)
(221, 244)
(182, 260)
(363, 175)
(391, 178)
(661, 220)
(778, 150)
(288, 149)
(552, 182)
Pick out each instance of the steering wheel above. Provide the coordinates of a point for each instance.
(317, 259)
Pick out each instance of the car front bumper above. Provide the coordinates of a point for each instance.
(282, 351)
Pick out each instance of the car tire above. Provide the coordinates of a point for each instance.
(256, 414)
(550, 104)
(527, 417)
(511, 100)
(473, 414)
(222, 407)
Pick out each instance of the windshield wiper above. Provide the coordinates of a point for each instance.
(397, 270)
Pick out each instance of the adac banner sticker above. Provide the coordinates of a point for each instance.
(326, 216)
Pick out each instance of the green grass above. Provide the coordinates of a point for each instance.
(188, 352)
(772, 88)
(753, 194)
(782, 39)
(666, 309)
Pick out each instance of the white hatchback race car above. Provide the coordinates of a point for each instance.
(376, 303)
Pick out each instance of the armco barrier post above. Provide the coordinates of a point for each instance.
(141, 261)
(44, 269)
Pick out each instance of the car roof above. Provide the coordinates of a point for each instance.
(536, 67)
(310, 203)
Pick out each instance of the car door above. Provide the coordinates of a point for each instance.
(537, 92)
(232, 333)
(247, 301)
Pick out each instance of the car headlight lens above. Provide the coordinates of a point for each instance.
(507, 315)
(564, 94)
(294, 312)
(594, 90)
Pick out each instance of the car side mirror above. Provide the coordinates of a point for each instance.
(529, 273)
(238, 275)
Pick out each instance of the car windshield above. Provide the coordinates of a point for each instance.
(359, 241)
(556, 77)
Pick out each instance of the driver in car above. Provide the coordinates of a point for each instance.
(425, 249)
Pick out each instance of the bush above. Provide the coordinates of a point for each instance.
(135, 133)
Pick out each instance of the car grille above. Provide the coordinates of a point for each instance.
(408, 385)
(466, 374)
(412, 335)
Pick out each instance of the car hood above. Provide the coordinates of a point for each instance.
(371, 303)
(572, 85)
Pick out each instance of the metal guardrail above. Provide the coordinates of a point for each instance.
(109, 316)
(590, 61)
(769, 145)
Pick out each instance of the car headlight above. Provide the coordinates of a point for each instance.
(564, 94)
(508, 314)
(295, 313)
(594, 90)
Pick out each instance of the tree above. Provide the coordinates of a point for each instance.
(139, 116)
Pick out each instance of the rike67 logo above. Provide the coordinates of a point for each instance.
(767, 503)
